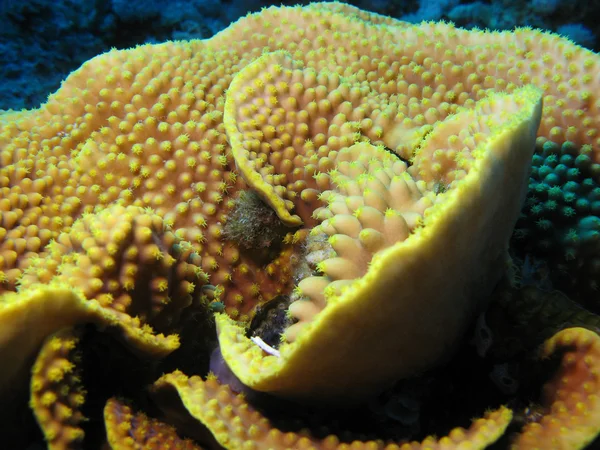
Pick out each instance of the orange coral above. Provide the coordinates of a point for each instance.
(127, 271)
(145, 134)
(387, 228)
(125, 259)
(142, 131)
(56, 391)
(128, 430)
(571, 397)
(145, 126)
(235, 424)
(29, 317)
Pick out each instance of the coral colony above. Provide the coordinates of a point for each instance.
(320, 228)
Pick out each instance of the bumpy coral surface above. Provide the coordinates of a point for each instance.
(404, 149)
(386, 226)
(572, 400)
(128, 430)
(215, 406)
(560, 221)
(56, 391)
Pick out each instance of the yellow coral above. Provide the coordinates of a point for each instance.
(128, 430)
(571, 397)
(235, 424)
(126, 126)
(407, 261)
(125, 259)
(56, 391)
(29, 317)
(150, 128)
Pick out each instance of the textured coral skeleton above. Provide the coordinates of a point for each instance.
(395, 154)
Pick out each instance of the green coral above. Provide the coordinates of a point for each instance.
(560, 222)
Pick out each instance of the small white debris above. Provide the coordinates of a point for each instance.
(266, 347)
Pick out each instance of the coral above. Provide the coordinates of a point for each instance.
(129, 430)
(570, 402)
(559, 223)
(572, 396)
(123, 258)
(110, 270)
(387, 227)
(56, 391)
(115, 194)
(127, 122)
(29, 317)
(175, 161)
(235, 424)
(38, 314)
(42, 41)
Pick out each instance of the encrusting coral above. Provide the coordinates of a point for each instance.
(396, 153)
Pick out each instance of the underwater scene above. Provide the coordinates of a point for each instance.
(245, 225)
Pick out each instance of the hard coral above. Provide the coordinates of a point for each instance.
(124, 259)
(41, 317)
(572, 397)
(56, 391)
(559, 223)
(321, 111)
(235, 424)
(129, 430)
(387, 228)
